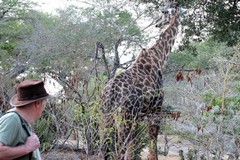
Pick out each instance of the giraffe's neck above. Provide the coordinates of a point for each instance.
(164, 44)
(157, 55)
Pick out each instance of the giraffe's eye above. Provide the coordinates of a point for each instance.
(164, 12)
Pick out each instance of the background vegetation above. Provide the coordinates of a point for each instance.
(81, 48)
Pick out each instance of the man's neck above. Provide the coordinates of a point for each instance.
(26, 113)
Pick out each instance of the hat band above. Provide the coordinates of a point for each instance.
(32, 97)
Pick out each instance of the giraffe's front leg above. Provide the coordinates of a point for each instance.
(153, 134)
(106, 137)
(126, 141)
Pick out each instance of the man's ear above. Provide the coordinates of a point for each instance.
(38, 103)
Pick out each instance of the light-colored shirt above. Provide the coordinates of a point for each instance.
(13, 134)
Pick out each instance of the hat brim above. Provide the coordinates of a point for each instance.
(15, 103)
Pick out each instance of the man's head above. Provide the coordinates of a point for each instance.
(29, 91)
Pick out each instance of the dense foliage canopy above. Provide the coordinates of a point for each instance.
(218, 18)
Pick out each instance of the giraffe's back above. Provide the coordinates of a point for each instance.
(137, 94)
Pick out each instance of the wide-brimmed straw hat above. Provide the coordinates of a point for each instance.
(29, 91)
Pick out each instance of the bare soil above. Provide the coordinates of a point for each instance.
(71, 155)
(175, 144)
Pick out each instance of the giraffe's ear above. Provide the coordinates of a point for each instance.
(159, 22)
(182, 11)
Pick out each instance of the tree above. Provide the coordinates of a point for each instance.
(13, 14)
(208, 100)
(216, 18)
(65, 47)
(81, 48)
(224, 16)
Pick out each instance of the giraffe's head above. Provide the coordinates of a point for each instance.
(167, 14)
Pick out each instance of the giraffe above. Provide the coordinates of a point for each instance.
(135, 95)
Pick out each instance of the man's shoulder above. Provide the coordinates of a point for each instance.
(10, 126)
(10, 116)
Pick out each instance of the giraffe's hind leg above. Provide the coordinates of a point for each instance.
(153, 130)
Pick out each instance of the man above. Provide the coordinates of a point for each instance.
(16, 138)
